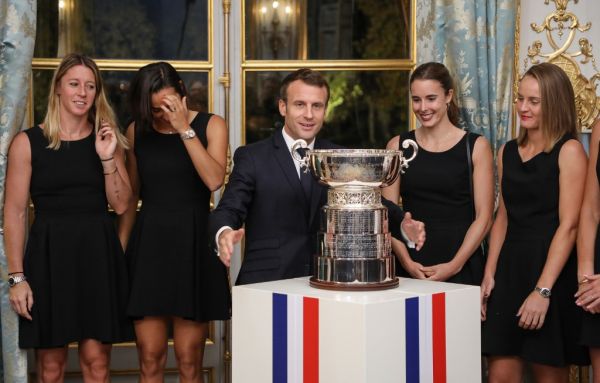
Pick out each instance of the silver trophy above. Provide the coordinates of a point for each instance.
(354, 251)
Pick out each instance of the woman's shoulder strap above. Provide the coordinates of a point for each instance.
(37, 140)
(36, 137)
(201, 120)
(410, 135)
(472, 137)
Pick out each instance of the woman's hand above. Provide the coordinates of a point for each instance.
(414, 269)
(176, 110)
(533, 311)
(440, 272)
(487, 285)
(106, 141)
(21, 299)
(588, 294)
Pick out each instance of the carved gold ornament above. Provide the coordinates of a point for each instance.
(558, 23)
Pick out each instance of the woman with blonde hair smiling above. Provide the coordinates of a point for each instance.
(69, 282)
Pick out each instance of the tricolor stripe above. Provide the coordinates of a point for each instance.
(425, 335)
(295, 339)
(439, 337)
(280, 354)
(412, 340)
(426, 338)
(295, 334)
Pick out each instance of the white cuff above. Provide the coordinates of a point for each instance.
(222, 229)
(409, 243)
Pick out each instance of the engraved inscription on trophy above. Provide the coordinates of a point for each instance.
(354, 249)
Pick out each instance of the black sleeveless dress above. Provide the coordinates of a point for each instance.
(73, 259)
(531, 195)
(436, 189)
(172, 270)
(590, 329)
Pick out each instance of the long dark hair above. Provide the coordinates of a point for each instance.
(149, 80)
(439, 72)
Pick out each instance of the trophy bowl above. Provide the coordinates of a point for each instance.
(369, 168)
(354, 167)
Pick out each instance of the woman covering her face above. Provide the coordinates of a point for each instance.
(530, 276)
(69, 283)
(177, 157)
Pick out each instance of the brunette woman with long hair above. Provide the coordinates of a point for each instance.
(177, 157)
(448, 186)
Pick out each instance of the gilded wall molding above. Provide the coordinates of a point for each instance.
(225, 81)
(516, 75)
(565, 46)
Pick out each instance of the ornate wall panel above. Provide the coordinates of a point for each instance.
(564, 33)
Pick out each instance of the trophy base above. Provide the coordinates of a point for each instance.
(354, 286)
(354, 273)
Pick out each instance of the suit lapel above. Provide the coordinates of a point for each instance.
(283, 157)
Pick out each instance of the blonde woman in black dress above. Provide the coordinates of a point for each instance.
(530, 276)
(69, 283)
(588, 256)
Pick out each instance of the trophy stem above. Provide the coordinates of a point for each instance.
(354, 242)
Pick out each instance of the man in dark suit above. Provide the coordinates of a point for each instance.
(266, 194)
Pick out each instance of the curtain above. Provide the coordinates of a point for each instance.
(475, 39)
(17, 30)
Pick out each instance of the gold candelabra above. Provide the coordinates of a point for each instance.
(275, 25)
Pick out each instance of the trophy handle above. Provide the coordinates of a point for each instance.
(300, 144)
(404, 161)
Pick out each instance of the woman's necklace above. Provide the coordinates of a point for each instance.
(167, 130)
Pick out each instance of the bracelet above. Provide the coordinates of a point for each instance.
(107, 159)
(16, 272)
(113, 172)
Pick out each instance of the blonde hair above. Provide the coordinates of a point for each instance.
(100, 110)
(559, 116)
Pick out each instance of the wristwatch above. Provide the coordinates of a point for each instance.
(544, 291)
(14, 280)
(190, 133)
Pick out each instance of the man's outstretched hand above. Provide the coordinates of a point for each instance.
(227, 240)
(414, 230)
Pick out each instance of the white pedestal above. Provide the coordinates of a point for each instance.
(287, 332)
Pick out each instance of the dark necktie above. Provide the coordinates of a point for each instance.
(305, 177)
